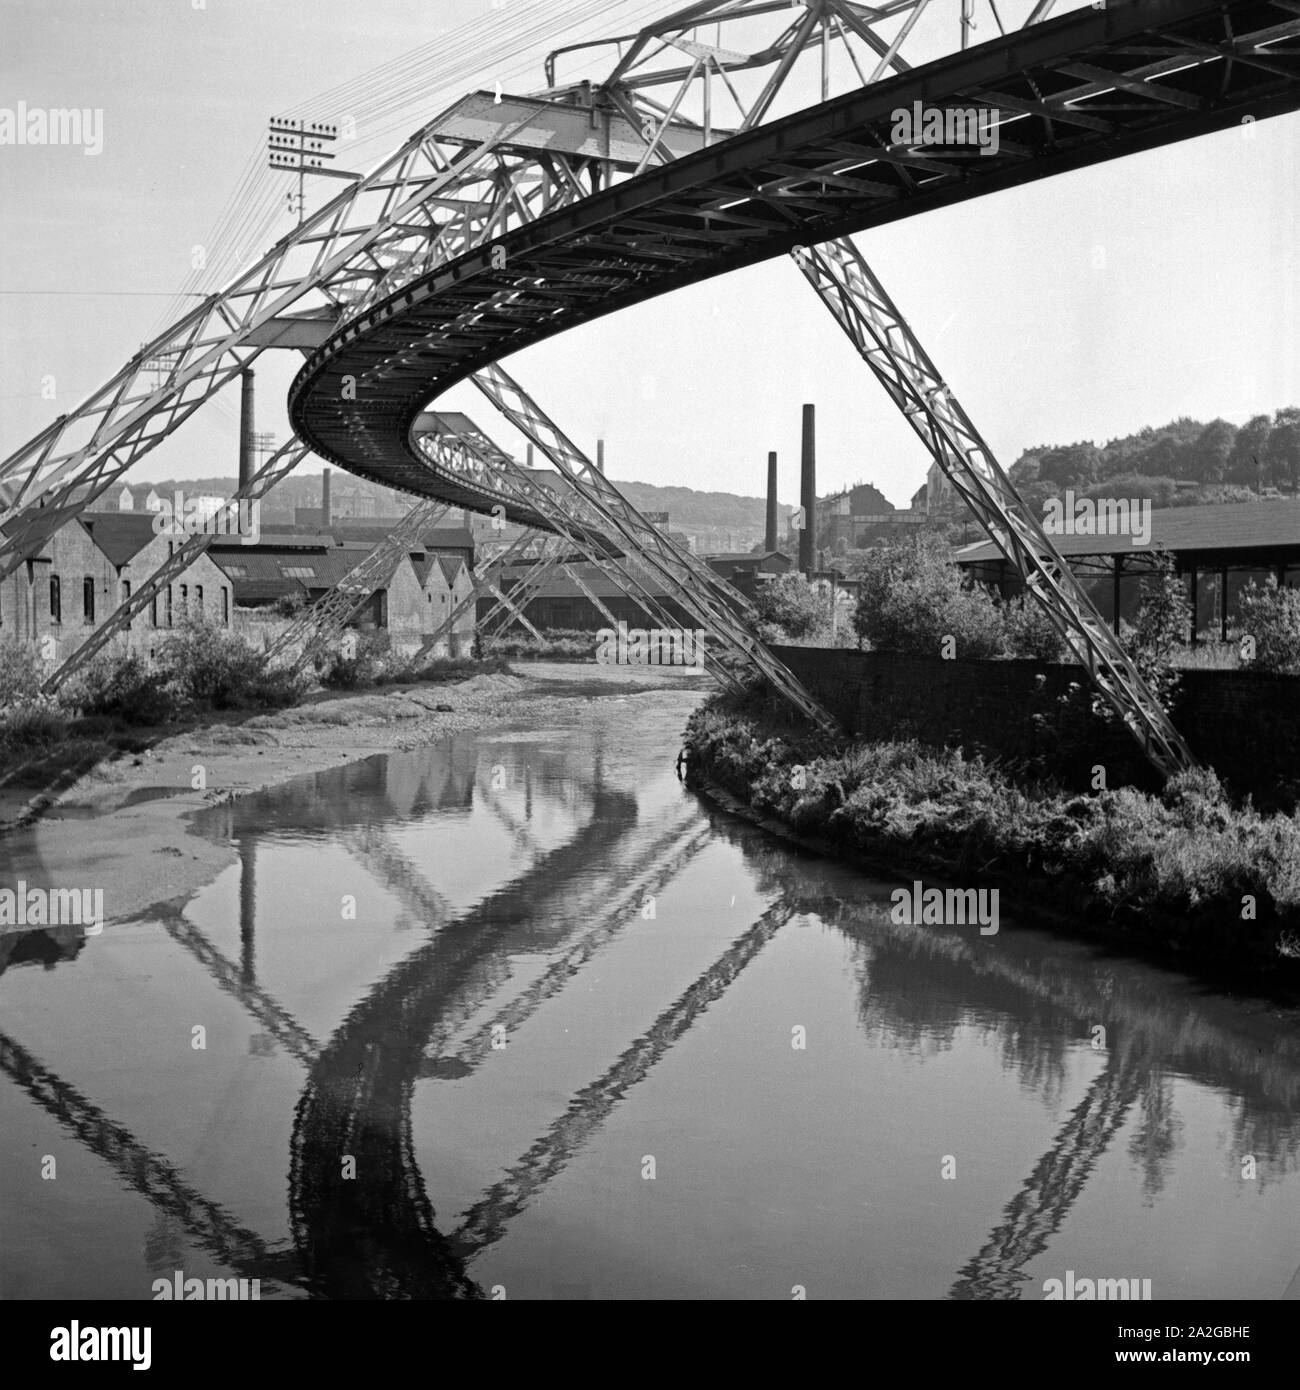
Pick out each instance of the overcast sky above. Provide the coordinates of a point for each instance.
(1085, 306)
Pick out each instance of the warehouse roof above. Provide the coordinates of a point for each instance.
(1213, 526)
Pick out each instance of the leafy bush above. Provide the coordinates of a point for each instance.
(208, 666)
(124, 687)
(792, 606)
(1160, 629)
(913, 598)
(359, 661)
(20, 673)
(290, 605)
(1271, 616)
(557, 644)
(1030, 633)
(34, 723)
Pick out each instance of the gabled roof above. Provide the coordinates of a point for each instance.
(120, 535)
(451, 566)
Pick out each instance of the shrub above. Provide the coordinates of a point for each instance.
(1272, 617)
(20, 673)
(1159, 629)
(208, 666)
(913, 598)
(33, 723)
(124, 687)
(789, 604)
(290, 605)
(1030, 633)
(359, 662)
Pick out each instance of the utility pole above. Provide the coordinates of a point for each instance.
(298, 147)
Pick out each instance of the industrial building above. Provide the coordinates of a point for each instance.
(87, 567)
(1219, 547)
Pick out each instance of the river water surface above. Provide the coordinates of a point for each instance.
(516, 1015)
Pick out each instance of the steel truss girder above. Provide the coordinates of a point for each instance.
(849, 289)
(509, 604)
(1200, 66)
(581, 524)
(489, 568)
(717, 608)
(324, 620)
(436, 200)
(375, 234)
(571, 518)
(273, 470)
(621, 571)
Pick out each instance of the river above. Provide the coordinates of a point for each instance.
(516, 1015)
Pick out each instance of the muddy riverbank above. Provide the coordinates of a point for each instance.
(126, 822)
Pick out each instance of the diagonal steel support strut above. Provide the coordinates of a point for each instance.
(725, 616)
(846, 285)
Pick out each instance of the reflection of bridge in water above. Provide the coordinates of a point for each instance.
(433, 1015)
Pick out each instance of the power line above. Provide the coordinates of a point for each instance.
(147, 294)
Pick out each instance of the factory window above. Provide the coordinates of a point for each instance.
(225, 606)
(56, 599)
(185, 601)
(198, 599)
(88, 599)
(297, 571)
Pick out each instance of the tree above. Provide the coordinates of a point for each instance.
(1076, 465)
(789, 603)
(1282, 452)
(1208, 458)
(1251, 447)
(913, 598)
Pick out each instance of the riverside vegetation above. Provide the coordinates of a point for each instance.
(1183, 869)
(120, 701)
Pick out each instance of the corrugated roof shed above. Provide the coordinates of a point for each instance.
(1213, 526)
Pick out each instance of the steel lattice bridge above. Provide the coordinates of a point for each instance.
(507, 219)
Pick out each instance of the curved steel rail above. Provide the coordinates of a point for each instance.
(1089, 87)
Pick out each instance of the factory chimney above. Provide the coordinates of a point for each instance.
(325, 500)
(808, 490)
(600, 456)
(771, 539)
(245, 427)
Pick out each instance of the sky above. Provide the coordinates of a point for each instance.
(1081, 307)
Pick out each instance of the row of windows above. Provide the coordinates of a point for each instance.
(88, 601)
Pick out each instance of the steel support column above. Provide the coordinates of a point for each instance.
(846, 285)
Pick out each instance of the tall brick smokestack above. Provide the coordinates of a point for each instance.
(325, 498)
(771, 539)
(600, 456)
(808, 489)
(245, 426)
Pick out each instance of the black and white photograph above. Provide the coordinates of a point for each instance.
(649, 652)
